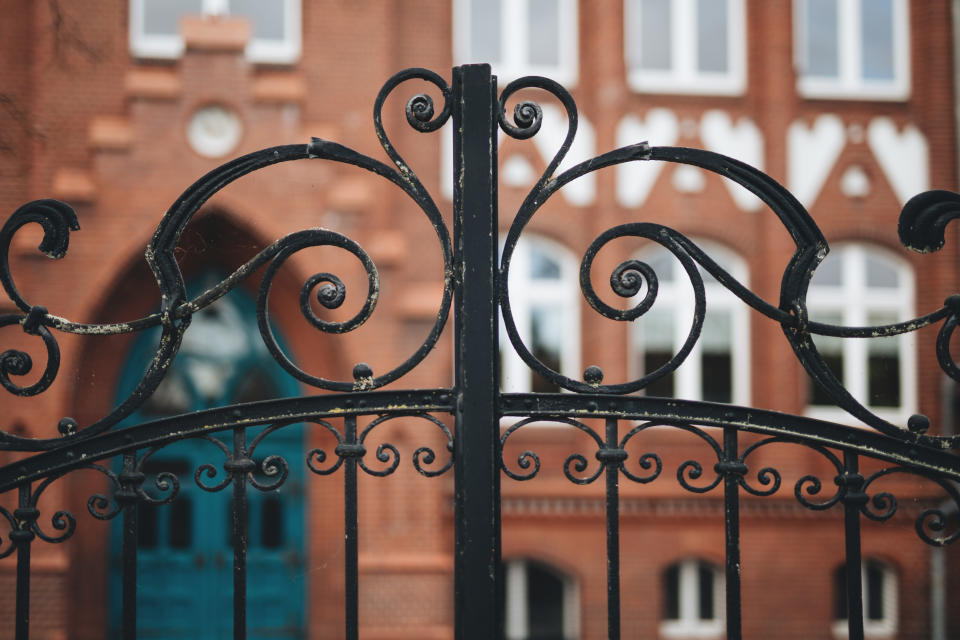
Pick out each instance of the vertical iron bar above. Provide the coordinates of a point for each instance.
(476, 445)
(129, 553)
(239, 533)
(853, 499)
(352, 584)
(612, 457)
(731, 502)
(22, 537)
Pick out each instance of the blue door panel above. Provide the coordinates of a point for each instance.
(185, 559)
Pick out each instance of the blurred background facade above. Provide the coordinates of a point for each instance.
(116, 106)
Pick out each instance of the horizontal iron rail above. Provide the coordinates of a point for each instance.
(802, 430)
(167, 430)
(799, 429)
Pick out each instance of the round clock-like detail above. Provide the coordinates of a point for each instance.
(214, 130)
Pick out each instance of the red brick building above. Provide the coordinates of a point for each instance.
(116, 106)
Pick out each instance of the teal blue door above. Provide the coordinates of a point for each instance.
(185, 562)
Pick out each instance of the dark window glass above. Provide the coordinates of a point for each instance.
(543, 600)
(255, 386)
(539, 384)
(150, 518)
(663, 387)
(705, 579)
(817, 394)
(884, 379)
(874, 589)
(544, 604)
(717, 373)
(873, 600)
(146, 526)
(883, 366)
(271, 522)
(229, 528)
(671, 593)
(181, 523)
(840, 593)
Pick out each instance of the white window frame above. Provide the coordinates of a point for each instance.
(854, 303)
(514, 59)
(516, 623)
(887, 626)
(526, 294)
(676, 295)
(684, 77)
(146, 45)
(849, 83)
(690, 624)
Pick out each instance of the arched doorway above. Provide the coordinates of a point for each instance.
(185, 565)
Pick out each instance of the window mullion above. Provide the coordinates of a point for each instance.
(517, 370)
(216, 7)
(901, 44)
(849, 35)
(683, 40)
(571, 345)
(740, 352)
(800, 59)
(516, 622)
(567, 23)
(693, 382)
(865, 591)
(571, 608)
(689, 593)
(736, 42)
(515, 50)
(855, 374)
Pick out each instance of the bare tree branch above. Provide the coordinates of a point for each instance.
(67, 36)
(11, 108)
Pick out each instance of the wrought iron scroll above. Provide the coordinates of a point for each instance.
(922, 224)
(358, 406)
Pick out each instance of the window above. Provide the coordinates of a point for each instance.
(545, 308)
(519, 37)
(692, 593)
(686, 46)
(275, 26)
(540, 602)
(858, 285)
(718, 367)
(852, 48)
(879, 582)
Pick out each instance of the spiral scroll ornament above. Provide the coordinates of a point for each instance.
(931, 524)
(58, 219)
(921, 228)
(529, 461)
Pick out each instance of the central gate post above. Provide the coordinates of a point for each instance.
(477, 582)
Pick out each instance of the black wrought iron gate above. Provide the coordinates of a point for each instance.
(476, 286)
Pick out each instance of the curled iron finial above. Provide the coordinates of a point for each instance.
(923, 220)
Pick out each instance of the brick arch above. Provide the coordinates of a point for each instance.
(216, 238)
